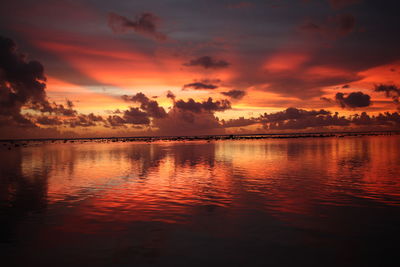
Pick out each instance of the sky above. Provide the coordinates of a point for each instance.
(177, 67)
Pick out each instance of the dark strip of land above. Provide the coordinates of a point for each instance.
(23, 142)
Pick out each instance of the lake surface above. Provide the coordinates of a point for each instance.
(283, 202)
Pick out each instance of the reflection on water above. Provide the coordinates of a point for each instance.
(330, 201)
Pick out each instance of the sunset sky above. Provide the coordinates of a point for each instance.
(177, 67)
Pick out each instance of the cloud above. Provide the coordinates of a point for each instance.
(136, 116)
(25, 108)
(293, 113)
(184, 117)
(133, 116)
(188, 122)
(22, 82)
(383, 119)
(296, 119)
(151, 107)
(391, 91)
(114, 121)
(22, 87)
(188, 117)
(353, 100)
(192, 118)
(83, 120)
(171, 95)
(200, 86)
(60, 109)
(45, 120)
(235, 94)
(210, 105)
(207, 62)
(388, 118)
(293, 118)
(240, 122)
(145, 24)
(139, 97)
(299, 119)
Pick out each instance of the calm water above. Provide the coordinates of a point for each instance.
(293, 202)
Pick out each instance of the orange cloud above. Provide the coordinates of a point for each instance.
(122, 67)
(285, 62)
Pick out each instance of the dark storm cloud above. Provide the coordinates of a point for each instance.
(139, 97)
(388, 118)
(135, 116)
(353, 100)
(45, 120)
(22, 82)
(207, 62)
(293, 113)
(114, 121)
(22, 86)
(192, 117)
(154, 110)
(235, 94)
(117, 111)
(54, 108)
(151, 107)
(145, 24)
(210, 105)
(240, 122)
(383, 119)
(391, 91)
(83, 120)
(185, 117)
(293, 118)
(60, 109)
(297, 119)
(187, 122)
(200, 86)
(95, 118)
(171, 95)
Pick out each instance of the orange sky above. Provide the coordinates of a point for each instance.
(93, 54)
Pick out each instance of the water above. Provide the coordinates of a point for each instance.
(291, 202)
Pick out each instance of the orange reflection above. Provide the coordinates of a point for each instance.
(107, 186)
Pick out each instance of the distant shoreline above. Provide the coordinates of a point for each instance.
(206, 137)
